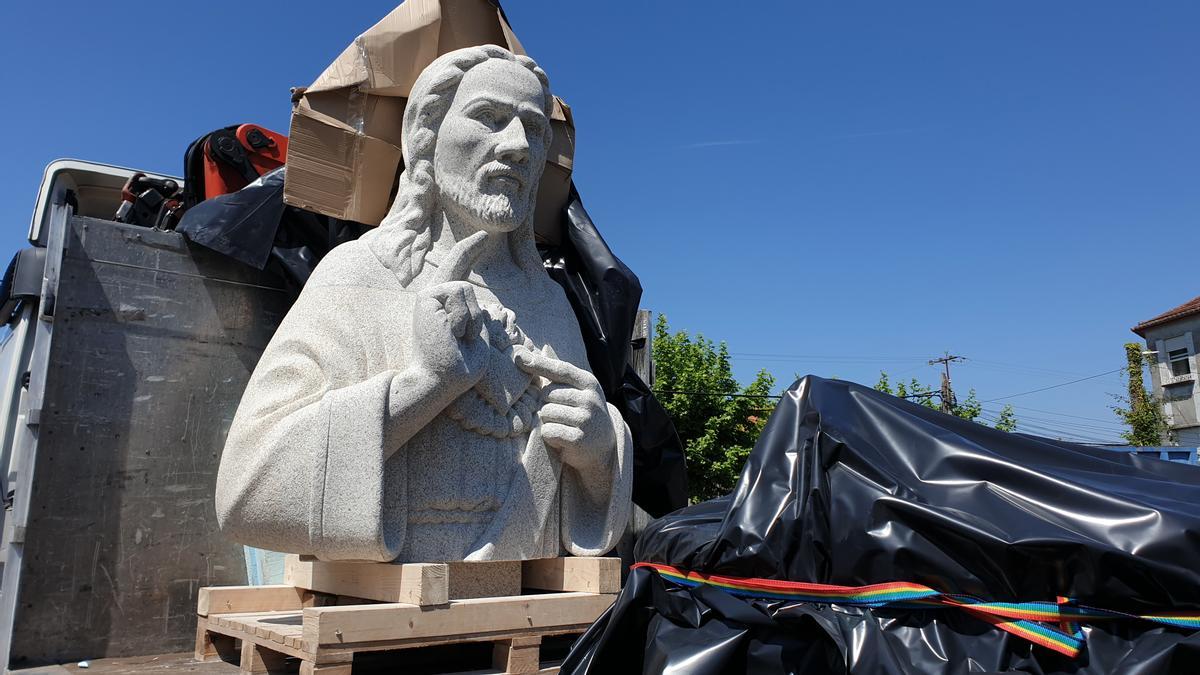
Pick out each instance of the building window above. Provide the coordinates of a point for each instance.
(1180, 365)
(1177, 392)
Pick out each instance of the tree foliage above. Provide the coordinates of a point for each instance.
(968, 409)
(693, 379)
(1007, 420)
(1142, 411)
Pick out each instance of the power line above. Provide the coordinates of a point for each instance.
(1071, 420)
(818, 360)
(1074, 436)
(1053, 386)
(731, 394)
(1023, 419)
(1044, 429)
(1013, 367)
(881, 359)
(1063, 414)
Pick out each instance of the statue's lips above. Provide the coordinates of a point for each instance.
(504, 175)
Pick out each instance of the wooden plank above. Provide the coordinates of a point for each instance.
(422, 584)
(234, 632)
(236, 599)
(492, 579)
(310, 668)
(339, 626)
(588, 575)
(518, 655)
(259, 659)
(212, 646)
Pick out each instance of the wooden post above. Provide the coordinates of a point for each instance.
(641, 355)
(257, 659)
(518, 655)
(213, 646)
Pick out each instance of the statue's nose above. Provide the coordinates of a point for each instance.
(513, 145)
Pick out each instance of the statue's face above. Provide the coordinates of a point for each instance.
(491, 147)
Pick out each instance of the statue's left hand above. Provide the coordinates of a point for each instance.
(575, 419)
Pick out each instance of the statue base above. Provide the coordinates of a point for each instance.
(329, 613)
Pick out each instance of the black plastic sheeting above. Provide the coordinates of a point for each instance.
(254, 226)
(604, 294)
(850, 486)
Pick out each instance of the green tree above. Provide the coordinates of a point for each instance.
(1007, 420)
(1142, 411)
(717, 419)
(968, 409)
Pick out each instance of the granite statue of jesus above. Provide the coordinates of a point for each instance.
(428, 397)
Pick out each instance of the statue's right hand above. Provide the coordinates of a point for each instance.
(449, 331)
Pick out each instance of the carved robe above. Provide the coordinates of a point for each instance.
(307, 467)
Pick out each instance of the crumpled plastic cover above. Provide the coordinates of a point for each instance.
(850, 486)
(255, 227)
(605, 294)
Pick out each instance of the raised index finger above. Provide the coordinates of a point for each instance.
(554, 370)
(457, 264)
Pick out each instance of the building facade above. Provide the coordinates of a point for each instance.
(1172, 338)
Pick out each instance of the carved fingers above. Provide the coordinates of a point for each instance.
(449, 328)
(458, 263)
(564, 415)
(455, 303)
(536, 363)
(574, 418)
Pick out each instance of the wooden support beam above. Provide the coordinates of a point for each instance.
(422, 584)
(338, 626)
(213, 646)
(492, 579)
(518, 655)
(310, 668)
(235, 599)
(259, 659)
(587, 575)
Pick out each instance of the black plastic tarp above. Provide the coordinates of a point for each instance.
(604, 294)
(850, 486)
(254, 226)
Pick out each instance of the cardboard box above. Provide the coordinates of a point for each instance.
(344, 145)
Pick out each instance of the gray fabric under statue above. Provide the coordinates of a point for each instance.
(428, 396)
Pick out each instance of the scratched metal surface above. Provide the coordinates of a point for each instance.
(154, 341)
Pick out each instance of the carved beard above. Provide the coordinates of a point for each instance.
(500, 211)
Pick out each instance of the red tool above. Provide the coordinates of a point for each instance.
(234, 158)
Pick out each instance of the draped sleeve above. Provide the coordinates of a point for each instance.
(304, 459)
(595, 512)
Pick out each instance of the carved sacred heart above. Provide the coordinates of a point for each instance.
(502, 403)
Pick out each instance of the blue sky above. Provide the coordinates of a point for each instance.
(845, 186)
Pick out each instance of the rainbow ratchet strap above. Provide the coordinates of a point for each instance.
(1054, 625)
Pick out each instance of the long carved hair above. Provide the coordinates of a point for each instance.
(406, 234)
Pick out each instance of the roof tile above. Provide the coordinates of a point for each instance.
(1186, 309)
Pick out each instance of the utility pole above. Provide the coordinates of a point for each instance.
(948, 401)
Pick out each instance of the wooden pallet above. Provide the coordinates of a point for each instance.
(329, 612)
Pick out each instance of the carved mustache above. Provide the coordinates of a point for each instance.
(501, 170)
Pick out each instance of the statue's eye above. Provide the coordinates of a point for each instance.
(535, 127)
(486, 115)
